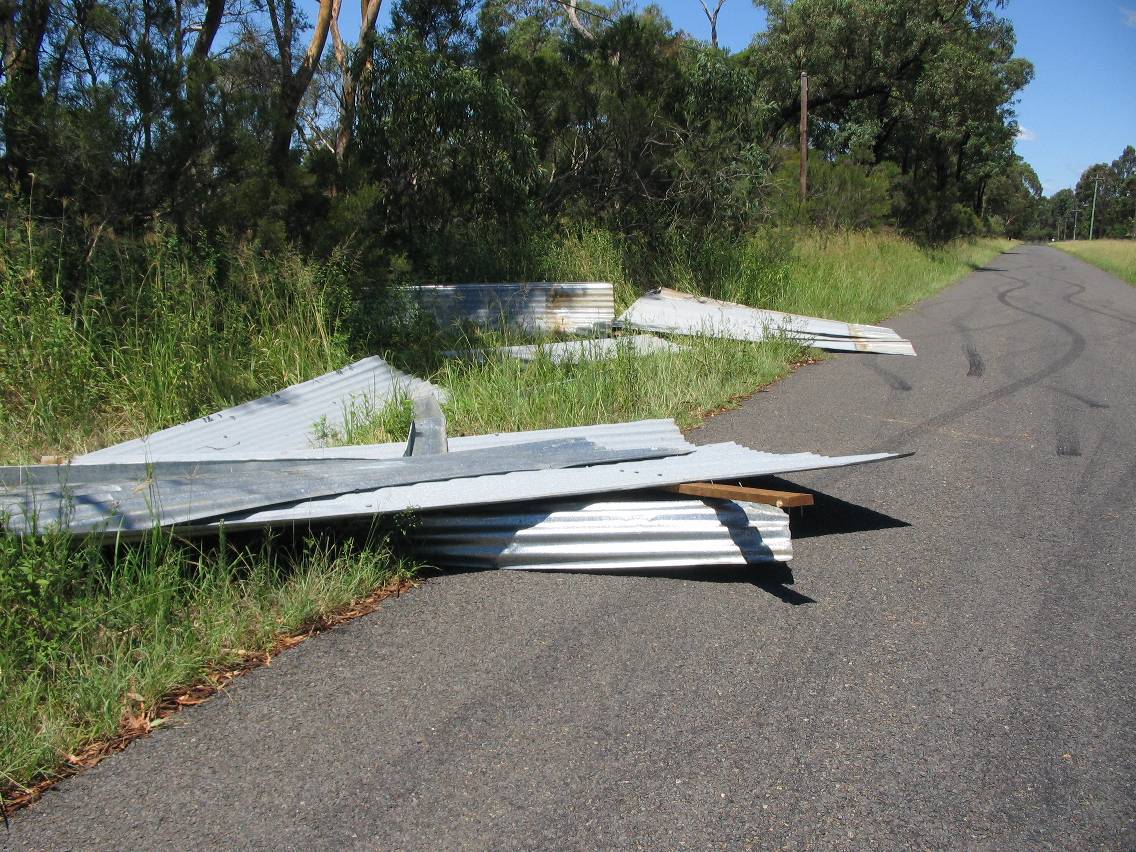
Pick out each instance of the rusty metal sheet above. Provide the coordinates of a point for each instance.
(571, 351)
(575, 307)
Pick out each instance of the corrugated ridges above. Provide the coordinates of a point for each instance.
(608, 535)
(577, 307)
(281, 421)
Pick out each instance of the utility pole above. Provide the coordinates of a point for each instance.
(1093, 218)
(1076, 211)
(804, 136)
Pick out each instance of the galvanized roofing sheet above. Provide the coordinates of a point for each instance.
(670, 311)
(714, 462)
(612, 436)
(282, 421)
(132, 497)
(570, 351)
(578, 307)
(608, 535)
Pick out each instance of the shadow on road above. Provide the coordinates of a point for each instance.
(830, 515)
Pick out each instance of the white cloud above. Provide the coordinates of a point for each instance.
(1129, 16)
(1025, 134)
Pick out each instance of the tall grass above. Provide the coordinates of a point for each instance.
(92, 637)
(1115, 256)
(153, 335)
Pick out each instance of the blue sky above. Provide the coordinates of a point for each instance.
(1080, 108)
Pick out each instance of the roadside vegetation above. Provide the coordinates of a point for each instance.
(1115, 256)
(207, 200)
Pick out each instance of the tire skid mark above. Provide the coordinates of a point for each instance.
(1068, 442)
(1084, 400)
(1077, 346)
(1071, 299)
(977, 365)
(893, 380)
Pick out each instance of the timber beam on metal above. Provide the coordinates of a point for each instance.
(780, 499)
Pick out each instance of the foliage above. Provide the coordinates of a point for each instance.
(1104, 200)
(498, 113)
(926, 85)
(149, 333)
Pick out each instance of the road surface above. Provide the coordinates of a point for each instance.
(949, 665)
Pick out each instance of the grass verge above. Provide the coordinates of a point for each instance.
(98, 645)
(1115, 256)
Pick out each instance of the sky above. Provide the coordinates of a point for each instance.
(1080, 108)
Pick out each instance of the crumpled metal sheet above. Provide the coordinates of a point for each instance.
(283, 421)
(572, 351)
(612, 436)
(577, 307)
(669, 311)
(112, 498)
(714, 462)
(604, 535)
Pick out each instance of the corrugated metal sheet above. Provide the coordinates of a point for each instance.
(608, 535)
(664, 434)
(135, 497)
(714, 462)
(282, 421)
(577, 307)
(569, 351)
(670, 311)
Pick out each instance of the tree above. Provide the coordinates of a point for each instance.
(927, 84)
(294, 78)
(712, 17)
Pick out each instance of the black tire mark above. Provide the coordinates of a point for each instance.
(1084, 400)
(892, 380)
(1075, 350)
(977, 364)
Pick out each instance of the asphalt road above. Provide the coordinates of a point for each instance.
(953, 666)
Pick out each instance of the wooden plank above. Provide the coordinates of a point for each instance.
(780, 499)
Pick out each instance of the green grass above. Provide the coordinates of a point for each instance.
(1115, 256)
(850, 276)
(160, 334)
(154, 335)
(90, 637)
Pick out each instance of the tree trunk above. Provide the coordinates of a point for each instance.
(24, 113)
(293, 87)
(353, 69)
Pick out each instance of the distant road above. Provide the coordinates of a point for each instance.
(954, 667)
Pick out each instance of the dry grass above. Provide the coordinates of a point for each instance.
(1115, 256)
